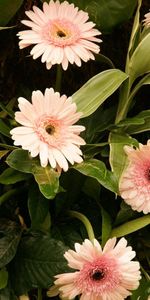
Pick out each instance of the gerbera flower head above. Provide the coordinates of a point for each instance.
(61, 34)
(134, 184)
(107, 274)
(146, 21)
(47, 129)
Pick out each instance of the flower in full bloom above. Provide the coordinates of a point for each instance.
(60, 33)
(47, 129)
(146, 21)
(134, 183)
(107, 274)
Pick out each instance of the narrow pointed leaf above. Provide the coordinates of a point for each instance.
(140, 62)
(131, 226)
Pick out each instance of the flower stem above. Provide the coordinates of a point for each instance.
(85, 221)
(39, 294)
(58, 78)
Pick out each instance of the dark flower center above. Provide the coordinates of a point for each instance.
(148, 174)
(98, 275)
(50, 129)
(61, 34)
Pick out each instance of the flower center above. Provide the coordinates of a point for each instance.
(61, 32)
(97, 275)
(50, 129)
(148, 174)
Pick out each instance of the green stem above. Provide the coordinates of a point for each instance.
(131, 226)
(39, 294)
(58, 78)
(145, 273)
(85, 221)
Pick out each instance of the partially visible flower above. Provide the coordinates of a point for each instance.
(134, 184)
(47, 129)
(61, 34)
(107, 274)
(24, 297)
(146, 21)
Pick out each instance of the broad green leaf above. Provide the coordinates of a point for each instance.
(106, 226)
(118, 158)
(11, 176)
(8, 8)
(38, 207)
(38, 259)
(96, 90)
(4, 129)
(96, 169)
(47, 178)
(131, 226)
(48, 181)
(3, 278)
(10, 233)
(140, 63)
(107, 14)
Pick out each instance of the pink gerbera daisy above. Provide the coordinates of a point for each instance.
(61, 34)
(146, 21)
(48, 129)
(134, 184)
(106, 274)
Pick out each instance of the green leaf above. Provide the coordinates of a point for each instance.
(10, 233)
(118, 158)
(96, 169)
(38, 207)
(7, 294)
(140, 63)
(106, 226)
(11, 176)
(117, 11)
(96, 90)
(131, 226)
(47, 178)
(3, 153)
(125, 214)
(135, 31)
(3, 278)
(8, 8)
(134, 129)
(145, 80)
(4, 129)
(38, 259)
(143, 291)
